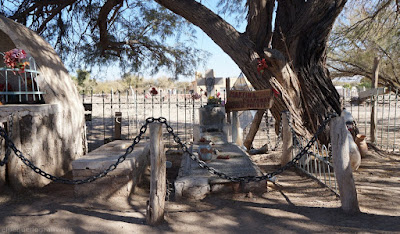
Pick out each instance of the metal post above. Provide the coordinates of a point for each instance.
(395, 117)
(387, 144)
(184, 93)
(117, 124)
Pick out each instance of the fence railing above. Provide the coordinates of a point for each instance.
(178, 106)
(182, 111)
(388, 117)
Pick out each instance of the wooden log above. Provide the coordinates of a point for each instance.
(375, 72)
(155, 207)
(287, 140)
(341, 162)
(255, 125)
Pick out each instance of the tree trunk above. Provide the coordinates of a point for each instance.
(296, 61)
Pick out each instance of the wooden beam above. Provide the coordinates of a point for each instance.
(158, 187)
(374, 102)
(341, 161)
(255, 125)
(287, 139)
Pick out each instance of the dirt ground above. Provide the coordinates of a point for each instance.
(295, 204)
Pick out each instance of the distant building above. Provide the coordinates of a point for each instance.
(199, 85)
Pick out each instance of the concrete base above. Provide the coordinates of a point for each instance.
(194, 182)
(212, 119)
(120, 182)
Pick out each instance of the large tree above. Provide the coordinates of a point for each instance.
(294, 44)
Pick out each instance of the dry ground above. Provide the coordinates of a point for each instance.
(296, 204)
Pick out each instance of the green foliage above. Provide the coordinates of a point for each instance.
(136, 35)
(365, 30)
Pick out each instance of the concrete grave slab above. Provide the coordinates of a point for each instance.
(121, 181)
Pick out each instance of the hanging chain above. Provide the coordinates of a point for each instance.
(7, 149)
(39, 171)
(202, 164)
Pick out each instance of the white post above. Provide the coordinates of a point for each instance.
(158, 187)
(341, 162)
(236, 136)
(287, 140)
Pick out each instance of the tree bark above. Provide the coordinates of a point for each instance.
(296, 61)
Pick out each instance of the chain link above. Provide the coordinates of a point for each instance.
(10, 144)
(185, 149)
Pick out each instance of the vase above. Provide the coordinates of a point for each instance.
(362, 144)
(205, 152)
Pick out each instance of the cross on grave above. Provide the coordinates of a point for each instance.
(210, 82)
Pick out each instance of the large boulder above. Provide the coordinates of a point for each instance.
(51, 135)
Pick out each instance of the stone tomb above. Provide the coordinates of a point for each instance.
(194, 182)
(120, 182)
(52, 134)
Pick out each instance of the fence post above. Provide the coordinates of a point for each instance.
(341, 161)
(236, 137)
(375, 72)
(287, 140)
(155, 207)
(117, 125)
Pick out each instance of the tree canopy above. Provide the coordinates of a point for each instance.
(365, 30)
(138, 34)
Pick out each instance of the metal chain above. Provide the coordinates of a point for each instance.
(7, 149)
(185, 149)
(18, 153)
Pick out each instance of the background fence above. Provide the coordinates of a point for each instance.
(181, 111)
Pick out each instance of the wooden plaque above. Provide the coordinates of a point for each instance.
(249, 100)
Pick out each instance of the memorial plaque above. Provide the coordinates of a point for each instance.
(249, 100)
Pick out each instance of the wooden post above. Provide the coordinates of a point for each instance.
(155, 207)
(236, 138)
(287, 140)
(117, 125)
(375, 72)
(255, 125)
(341, 162)
(228, 88)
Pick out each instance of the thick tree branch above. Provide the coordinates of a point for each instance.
(102, 21)
(259, 27)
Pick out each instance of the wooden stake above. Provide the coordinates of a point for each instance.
(287, 140)
(375, 72)
(255, 125)
(341, 161)
(155, 207)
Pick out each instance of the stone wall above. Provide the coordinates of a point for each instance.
(54, 138)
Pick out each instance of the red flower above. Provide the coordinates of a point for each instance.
(218, 94)
(261, 65)
(13, 59)
(276, 92)
(153, 91)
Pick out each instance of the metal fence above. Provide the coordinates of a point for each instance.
(388, 117)
(177, 106)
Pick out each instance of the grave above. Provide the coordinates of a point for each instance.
(120, 182)
(50, 134)
(194, 182)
